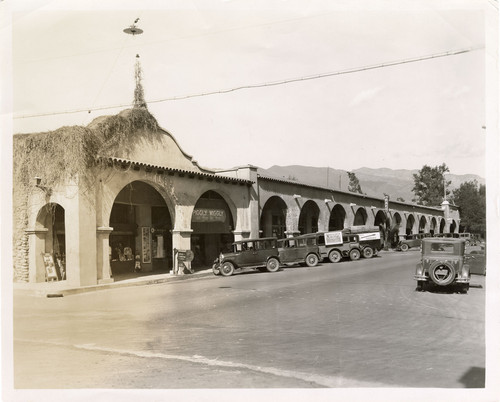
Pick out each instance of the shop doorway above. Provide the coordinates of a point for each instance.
(410, 223)
(308, 219)
(53, 249)
(212, 225)
(337, 218)
(141, 240)
(273, 218)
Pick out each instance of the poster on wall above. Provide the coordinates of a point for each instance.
(146, 245)
(50, 268)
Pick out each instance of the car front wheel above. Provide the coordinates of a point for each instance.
(272, 265)
(312, 260)
(404, 247)
(227, 269)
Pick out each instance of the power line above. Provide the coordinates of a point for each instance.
(270, 84)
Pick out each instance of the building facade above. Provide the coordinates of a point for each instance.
(150, 203)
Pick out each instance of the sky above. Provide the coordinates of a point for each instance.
(74, 56)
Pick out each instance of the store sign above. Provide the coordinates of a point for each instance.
(209, 215)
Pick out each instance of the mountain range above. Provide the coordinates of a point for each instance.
(374, 182)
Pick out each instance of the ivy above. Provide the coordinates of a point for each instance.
(70, 153)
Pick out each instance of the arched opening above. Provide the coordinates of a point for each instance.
(432, 229)
(382, 222)
(273, 218)
(141, 240)
(380, 219)
(51, 218)
(442, 224)
(453, 227)
(394, 232)
(212, 225)
(410, 223)
(308, 219)
(422, 225)
(360, 217)
(337, 218)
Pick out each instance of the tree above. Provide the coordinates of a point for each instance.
(470, 198)
(429, 185)
(354, 185)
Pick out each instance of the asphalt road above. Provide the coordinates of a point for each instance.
(351, 324)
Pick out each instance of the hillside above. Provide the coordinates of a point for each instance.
(374, 182)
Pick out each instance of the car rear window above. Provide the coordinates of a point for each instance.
(442, 248)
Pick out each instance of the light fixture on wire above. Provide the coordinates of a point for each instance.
(133, 29)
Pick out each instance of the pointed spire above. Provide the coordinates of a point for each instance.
(139, 91)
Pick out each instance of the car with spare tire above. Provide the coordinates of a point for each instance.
(259, 253)
(443, 264)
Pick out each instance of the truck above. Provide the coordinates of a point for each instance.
(370, 239)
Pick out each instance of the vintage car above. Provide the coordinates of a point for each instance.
(477, 260)
(261, 253)
(298, 250)
(335, 245)
(470, 239)
(443, 263)
(370, 239)
(411, 241)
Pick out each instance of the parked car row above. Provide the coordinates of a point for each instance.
(268, 254)
(415, 240)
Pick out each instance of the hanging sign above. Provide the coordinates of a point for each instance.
(209, 215)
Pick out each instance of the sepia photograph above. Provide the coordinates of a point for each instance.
(224, 200)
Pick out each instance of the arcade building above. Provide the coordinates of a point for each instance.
(137, 208)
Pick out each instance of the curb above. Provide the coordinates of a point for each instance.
(55, 293)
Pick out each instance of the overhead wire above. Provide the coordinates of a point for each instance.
(268, 84)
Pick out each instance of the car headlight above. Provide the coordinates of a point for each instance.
(221, 257)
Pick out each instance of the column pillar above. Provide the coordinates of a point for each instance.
(181, 240)
(104, 274)
(350, 214)
(241, 234)
(36, 246)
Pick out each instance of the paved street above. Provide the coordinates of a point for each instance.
(352, 324)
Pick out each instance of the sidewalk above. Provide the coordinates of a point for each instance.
(62, 288)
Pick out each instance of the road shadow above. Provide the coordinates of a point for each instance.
(448, 290)
(474, 378)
